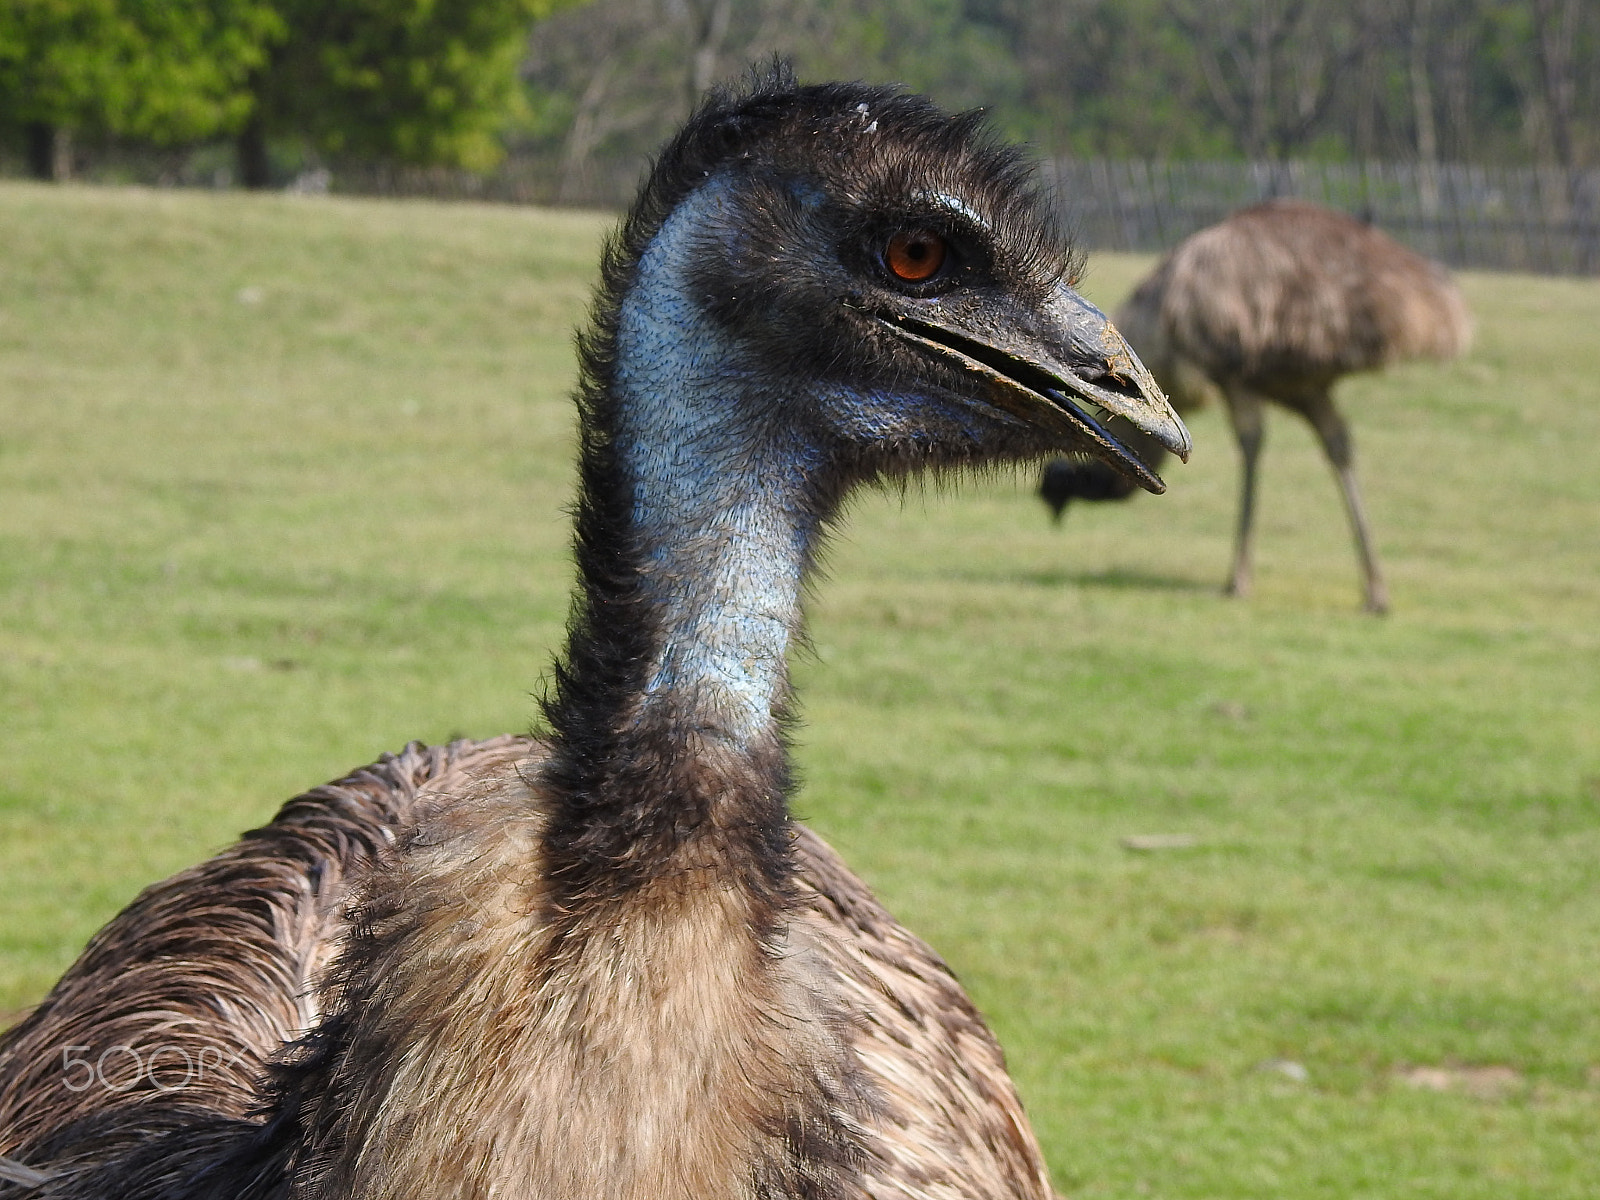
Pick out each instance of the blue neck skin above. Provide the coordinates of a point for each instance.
(721, 510)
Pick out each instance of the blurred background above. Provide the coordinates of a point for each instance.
(1471, 128)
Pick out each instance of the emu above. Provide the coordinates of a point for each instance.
(1276, 304)
(606, 962)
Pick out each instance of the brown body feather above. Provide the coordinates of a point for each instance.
(216, 966)
(674, 1010)
(1274, 305)
(1286, 296)
(941, 1115)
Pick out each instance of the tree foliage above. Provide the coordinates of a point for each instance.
(411, 80)
(163, 70)
(417, 81)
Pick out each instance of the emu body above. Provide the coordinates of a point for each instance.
(1273, 306)
(605, 962)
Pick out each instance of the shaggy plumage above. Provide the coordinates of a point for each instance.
(1276, 304)
(606, 962)
(214, 968)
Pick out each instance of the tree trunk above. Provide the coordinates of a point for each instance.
(1422, 106)
(49, 151)
(710, 28)
(61, 155)
(1555, 25)
(1363, 132)
(1461, 43)
(1258, 85)
(255, 169)
(41, 138)
(585, 134)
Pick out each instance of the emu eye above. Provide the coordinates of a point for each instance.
(915, 255)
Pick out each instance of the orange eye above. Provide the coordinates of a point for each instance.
(915, 256)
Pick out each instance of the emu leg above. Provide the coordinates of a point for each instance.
(1337, 445)
(1249, 430)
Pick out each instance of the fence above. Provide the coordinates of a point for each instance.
(520, 179)
(1537, 219)
(1503, 218)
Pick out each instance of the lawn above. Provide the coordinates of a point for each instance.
(282, 486)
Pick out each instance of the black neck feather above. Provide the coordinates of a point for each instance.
(636, 795)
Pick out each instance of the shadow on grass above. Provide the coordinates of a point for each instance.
(1114, 579)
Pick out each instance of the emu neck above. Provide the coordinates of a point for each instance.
(678, 671)
(723, 574)
(723, 542)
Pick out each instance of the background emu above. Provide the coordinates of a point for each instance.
(606, 963)
(1277, 303)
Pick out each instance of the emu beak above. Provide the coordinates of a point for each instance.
(1071, 369)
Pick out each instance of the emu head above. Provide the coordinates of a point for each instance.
(870, 282)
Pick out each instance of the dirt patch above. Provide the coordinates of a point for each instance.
(1485, 1083)
(1150, 843)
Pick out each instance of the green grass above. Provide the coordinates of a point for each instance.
(282, 486)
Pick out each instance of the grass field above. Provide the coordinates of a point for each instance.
(282, 486)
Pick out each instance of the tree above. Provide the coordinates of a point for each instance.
(161, 70)
(1105, 77)
(1555, 33)
(416, 81)
(1271, 67)
(608, 81)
